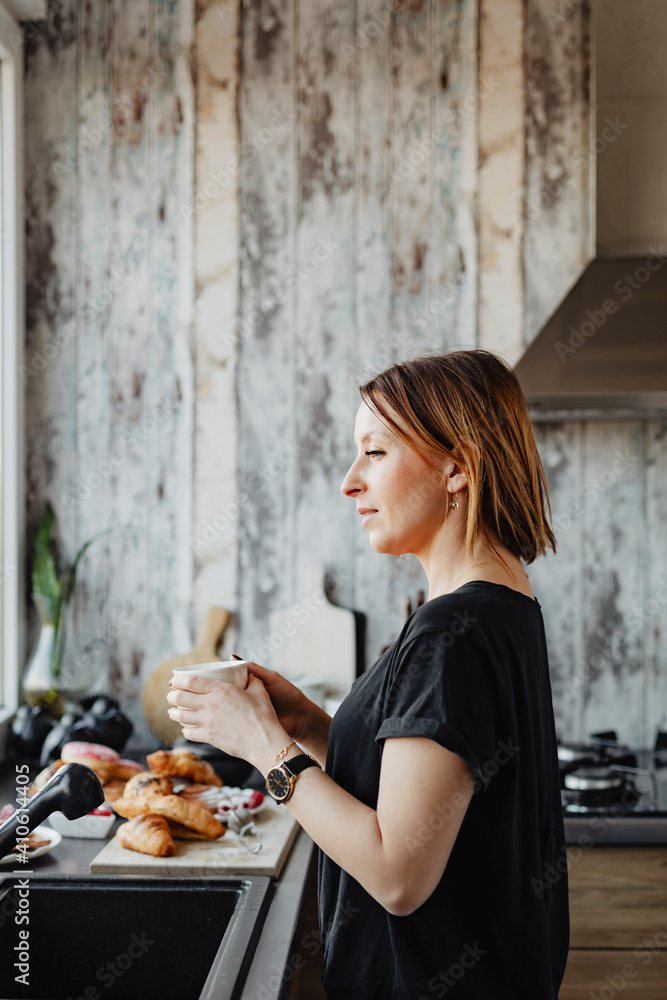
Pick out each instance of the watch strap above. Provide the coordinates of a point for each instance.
(297, 764)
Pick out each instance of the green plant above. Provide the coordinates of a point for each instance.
(51, 598)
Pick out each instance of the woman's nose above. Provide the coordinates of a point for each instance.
(350, 484)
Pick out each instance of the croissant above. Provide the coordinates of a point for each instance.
(148, 783)
(113, 789)
(183, 764)
(180, 832)
(147, 834)
(174, 808)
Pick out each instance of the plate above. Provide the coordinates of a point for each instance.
(43, 831)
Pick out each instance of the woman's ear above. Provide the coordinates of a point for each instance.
(457, 477)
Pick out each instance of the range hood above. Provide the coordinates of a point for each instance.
(603, 352)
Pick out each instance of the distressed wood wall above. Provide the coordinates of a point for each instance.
(345, 268)
(292, 200)
(361, 94)
(109, 379)
(604, 593)
(536, 184)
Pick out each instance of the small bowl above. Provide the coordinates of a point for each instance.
(91, 826)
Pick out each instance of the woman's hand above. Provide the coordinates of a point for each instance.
(289, 702)
(242, 722)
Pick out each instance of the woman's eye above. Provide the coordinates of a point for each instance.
(373, 453)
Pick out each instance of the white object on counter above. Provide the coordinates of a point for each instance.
(90, 826)
(313, 687)
(331, 705)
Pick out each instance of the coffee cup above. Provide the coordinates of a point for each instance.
(231, 671)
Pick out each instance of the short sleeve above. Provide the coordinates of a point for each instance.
(446, 691)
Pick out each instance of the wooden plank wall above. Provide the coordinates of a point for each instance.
(558, 208)
(109, 141)
(379, 133)
(345, 237)
(363, 92)
(536, 182)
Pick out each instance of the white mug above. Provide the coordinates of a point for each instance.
(231, 671)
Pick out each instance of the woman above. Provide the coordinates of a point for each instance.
(442, 866)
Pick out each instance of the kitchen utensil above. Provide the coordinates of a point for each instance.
(250, 829)
(316, 637)
(74, 789)
(156, 688)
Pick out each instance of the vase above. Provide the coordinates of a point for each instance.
(39, 685)
(82, 660)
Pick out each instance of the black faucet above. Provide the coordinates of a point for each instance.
(74, 790)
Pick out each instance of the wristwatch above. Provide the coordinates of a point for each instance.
(280, 780)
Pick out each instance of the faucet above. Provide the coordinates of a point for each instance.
(74, 789)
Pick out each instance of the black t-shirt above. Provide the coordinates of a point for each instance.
(470, 671)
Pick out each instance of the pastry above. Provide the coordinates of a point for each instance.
(174, 808)
(180, 832)
(33, 841)
(44, 775)
(147, 834)
(126, 769)
(148, 783)
(101, 759)
(206, 796)
(113, 789)
(183, 764)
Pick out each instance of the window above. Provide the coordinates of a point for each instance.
(11, 355)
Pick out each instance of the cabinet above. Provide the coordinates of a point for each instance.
(618, 917)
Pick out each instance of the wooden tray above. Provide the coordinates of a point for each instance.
(224, 856)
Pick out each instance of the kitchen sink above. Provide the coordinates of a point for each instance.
(98, 937)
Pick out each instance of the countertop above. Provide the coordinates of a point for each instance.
(275, 948)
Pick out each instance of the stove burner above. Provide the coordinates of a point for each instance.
(588, 789)
(594, 779)
(603, 750)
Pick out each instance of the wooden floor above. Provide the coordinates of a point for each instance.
(618, 917)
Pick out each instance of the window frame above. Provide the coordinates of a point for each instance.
(12, 429)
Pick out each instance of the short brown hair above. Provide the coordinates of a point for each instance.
(469, 398)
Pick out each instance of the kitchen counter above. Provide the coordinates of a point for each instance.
(272, 969)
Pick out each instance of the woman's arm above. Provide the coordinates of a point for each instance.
(398, 852)
(315, 736)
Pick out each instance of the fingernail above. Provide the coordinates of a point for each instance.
(235, 656)
(169, 683)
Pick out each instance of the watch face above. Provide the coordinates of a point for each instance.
(277, 783)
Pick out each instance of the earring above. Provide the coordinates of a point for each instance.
(454, 504)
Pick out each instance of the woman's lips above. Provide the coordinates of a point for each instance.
(368, 516)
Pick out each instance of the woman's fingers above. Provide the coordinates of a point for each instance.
(183, 715)
(258, 669)
(184, 699)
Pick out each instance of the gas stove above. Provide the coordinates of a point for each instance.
(613, 794)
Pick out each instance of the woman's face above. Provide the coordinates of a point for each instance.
(388, 477)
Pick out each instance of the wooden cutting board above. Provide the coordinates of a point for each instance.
(320, 639)
(225, 856)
